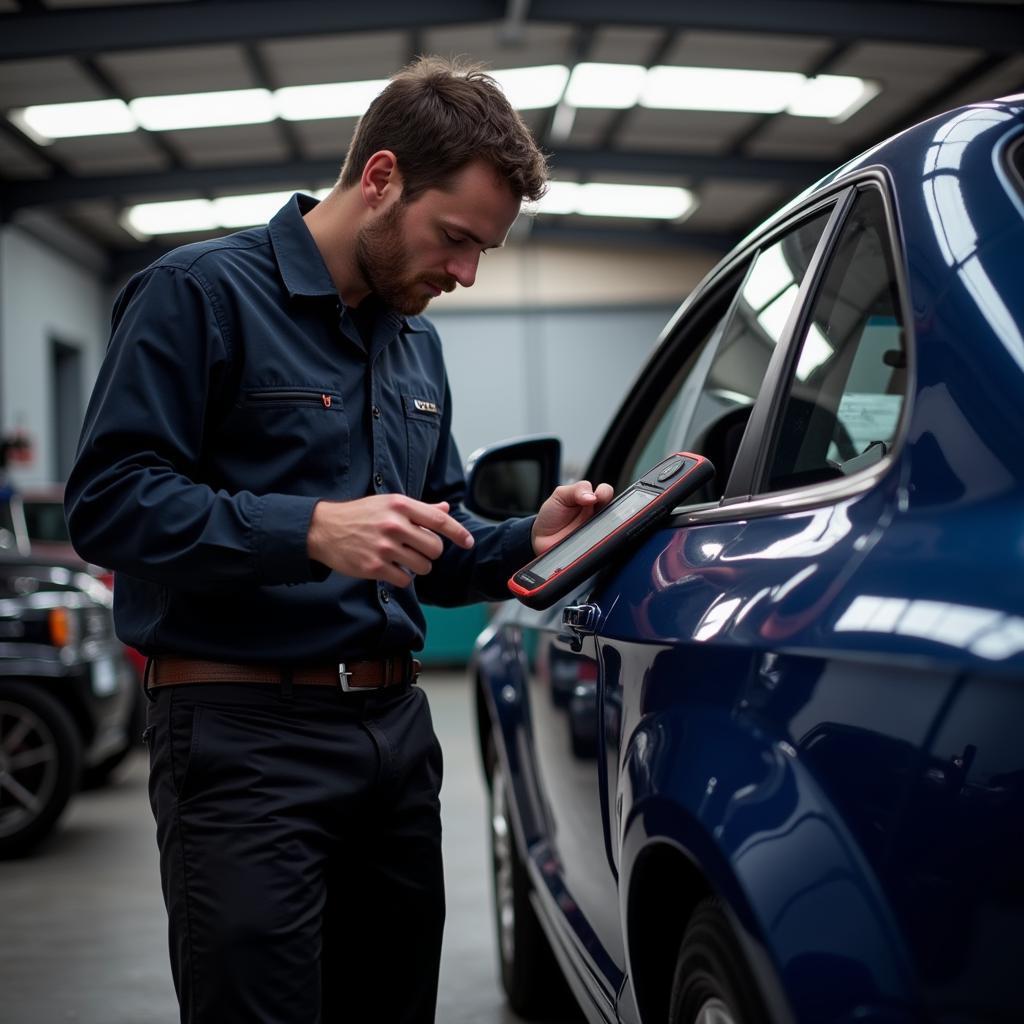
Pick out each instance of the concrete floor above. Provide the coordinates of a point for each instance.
(82, 923)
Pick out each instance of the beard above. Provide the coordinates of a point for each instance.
(383, 260)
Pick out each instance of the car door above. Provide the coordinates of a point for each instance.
(566, 712)
(741, 720)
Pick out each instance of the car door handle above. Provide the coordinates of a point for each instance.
(580, 620)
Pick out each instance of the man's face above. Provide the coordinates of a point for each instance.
(411, 253)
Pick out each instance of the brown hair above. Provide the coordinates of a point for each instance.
(436, 116)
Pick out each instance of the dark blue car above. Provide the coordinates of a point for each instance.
(769, 765)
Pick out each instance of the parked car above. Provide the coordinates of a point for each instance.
(768, 766)
(35, 524)
(66, 694)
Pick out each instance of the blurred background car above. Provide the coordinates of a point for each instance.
(768, 766)
(66, 694)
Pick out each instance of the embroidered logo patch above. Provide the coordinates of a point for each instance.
(422, 406)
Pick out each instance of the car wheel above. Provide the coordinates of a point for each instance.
(40, 762)
(712, 984)
(530, 975)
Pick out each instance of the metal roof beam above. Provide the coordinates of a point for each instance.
(992, 27)
(77, 31)
(16, 195)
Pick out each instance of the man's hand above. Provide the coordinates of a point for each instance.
(386, 537)
(569, 506)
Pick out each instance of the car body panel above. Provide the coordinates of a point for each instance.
(812, 697)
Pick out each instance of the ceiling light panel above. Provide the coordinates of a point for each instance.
(204, 109)
(533, 88)
(177, 217)
(723, 89)
(608, 86)
(334, 99)
(245, 211)
(52, 121)
(601, 199)
(836, 97)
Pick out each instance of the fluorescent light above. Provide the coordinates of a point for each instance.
(243, 211)
(597, 199)
(662, 202)
(560, 198)
(816, 350)
(335, 99)
(50, 121)
(609, 86)
(204, 109)
(171, 217)
(676, 88)
(774, 316)
(533, 88)
(770, 277)
(832, 96)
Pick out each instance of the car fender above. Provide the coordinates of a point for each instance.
(739, 806)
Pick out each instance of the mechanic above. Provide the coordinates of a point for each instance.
(267, 463)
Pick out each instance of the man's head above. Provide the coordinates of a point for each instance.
(442, 162)
(437, 116)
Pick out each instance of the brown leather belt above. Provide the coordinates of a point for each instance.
(351, 675)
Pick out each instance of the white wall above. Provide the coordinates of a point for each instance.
(553, 371)
(43, 295)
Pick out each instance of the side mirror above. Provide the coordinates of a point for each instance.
(513, 478)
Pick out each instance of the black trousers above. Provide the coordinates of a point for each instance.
(300, 852)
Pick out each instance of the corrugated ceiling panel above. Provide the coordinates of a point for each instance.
(179, 70)
(355, 57)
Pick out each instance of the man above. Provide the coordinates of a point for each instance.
(267, 463)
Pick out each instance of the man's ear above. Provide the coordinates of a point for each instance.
(380, 179)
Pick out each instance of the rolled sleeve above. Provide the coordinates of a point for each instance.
(280, 543)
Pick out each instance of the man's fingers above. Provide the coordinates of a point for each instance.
(436, 519)
(583, 493)
(410, 558)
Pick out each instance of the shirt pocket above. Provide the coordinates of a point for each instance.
(422, 430)
(295, 440)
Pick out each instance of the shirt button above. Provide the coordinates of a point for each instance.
(379, 479)
(376, 413)
(384, 595)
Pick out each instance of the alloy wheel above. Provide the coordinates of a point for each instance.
(29, 766)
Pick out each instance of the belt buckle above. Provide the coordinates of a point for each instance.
(343, 680)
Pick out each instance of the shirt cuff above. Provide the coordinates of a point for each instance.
(282, 555)
(517, 548)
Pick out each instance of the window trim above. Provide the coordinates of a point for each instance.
(749, 505)
(753, 451)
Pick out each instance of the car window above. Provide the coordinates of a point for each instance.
(850, 375)
(713, 393)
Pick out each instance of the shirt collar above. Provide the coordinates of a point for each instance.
(302, 267)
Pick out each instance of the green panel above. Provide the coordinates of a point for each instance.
(451, 633)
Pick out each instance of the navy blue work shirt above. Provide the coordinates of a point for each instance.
(237, 391)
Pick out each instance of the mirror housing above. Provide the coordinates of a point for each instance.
(512, 478)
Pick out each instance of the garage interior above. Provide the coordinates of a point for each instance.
(585, 287)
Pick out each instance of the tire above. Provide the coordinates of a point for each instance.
(40, 765)
(712, 983)
(530, 975)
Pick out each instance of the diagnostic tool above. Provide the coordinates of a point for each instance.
(572, 560)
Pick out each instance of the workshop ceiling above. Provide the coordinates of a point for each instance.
(922, 56)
